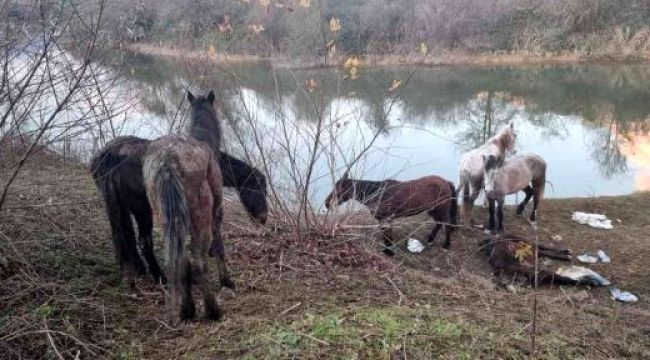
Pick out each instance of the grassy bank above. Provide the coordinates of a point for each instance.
(431, 59)
(60, 291)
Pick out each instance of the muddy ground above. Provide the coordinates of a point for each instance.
(61, 295)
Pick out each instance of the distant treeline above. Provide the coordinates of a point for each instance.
(382, 27)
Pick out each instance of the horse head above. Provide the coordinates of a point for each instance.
(343, 191)
(205, 125)
(491, 168)
(507, 138)
(253, 196)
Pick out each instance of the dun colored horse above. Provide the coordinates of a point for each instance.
(472, 164)
(117, 171)
(391, 199)
(184, 188)
(526, 173)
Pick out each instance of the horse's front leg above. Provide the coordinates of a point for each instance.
(500, 215)
(491, 223)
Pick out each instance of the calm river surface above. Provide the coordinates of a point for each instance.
(590, 122)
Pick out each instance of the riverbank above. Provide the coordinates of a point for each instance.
(323, 297)
(430, 59)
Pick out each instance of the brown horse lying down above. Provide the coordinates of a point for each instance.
(391, 199)
(515, 256)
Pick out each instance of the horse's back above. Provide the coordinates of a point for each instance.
(406, 198)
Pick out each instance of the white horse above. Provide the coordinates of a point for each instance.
(472, 166)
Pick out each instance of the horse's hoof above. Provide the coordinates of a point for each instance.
(388, 252)
(187, 312)
(226, 282)
(213, 313)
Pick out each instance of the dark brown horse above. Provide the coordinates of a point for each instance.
(391, 199)
(117, 171)
(512, 255)
(184, 188)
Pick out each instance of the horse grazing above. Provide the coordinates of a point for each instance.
(117, 172)
(472, 164)
(391, 199)
(526, 173)
(184, 187)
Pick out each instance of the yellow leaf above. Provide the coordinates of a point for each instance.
(212, 52)
(256, 29)
(311, 85)
(335, 25)
(351, 62)
(304, 3)
(332, 51)
(424, 49)
(523, 252)
(395, 85)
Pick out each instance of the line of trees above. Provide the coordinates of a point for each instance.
(302, 27)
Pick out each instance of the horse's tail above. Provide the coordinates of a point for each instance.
(103, 168)
(463, 185)
(453, 210)
(176, 218)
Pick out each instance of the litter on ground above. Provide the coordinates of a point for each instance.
(603, 257)
(415, 246)
(597, 221)
(623, 296)
(587, 259)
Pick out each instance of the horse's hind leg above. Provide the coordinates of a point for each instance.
(218, 250)
(475, 192)
(536, 199)
(208, 290)
(529, 194)
(144, 218)
(125, 243)
(187, 310)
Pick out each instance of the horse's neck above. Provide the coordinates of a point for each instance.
(207, 131)
(368, 192)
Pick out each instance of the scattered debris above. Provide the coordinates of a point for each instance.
(415, 246)
(582, 275)
(556, 238)
(603, 257)
(624, 296)
(587, 259)
(597, 221)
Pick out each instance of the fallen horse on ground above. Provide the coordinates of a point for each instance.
(513, 255)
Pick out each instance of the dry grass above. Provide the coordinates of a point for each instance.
(60, 292)
(437, 58)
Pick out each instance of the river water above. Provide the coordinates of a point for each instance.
(589, 122)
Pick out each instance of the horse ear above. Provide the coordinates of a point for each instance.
(512, 125)
(211, 97)
(190, 96)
